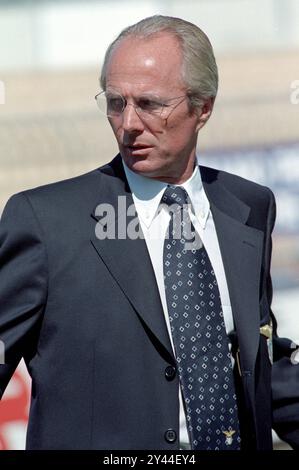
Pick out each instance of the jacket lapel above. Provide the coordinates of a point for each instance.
(128, 259)
(241, 249)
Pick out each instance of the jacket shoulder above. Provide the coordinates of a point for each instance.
(62, 194)
(65, 186)
(238, 185)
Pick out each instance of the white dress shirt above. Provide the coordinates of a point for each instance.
(147, 194)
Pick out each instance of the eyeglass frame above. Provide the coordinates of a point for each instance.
(139, 109)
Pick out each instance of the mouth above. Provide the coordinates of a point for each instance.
(135, 149)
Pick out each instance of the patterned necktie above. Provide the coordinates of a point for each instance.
(198, 331)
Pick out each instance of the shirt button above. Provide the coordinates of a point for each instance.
(170, 435)
(170, 372)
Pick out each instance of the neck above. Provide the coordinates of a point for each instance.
(179, 177)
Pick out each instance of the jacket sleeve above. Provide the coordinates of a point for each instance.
(285, 391)
(23, 284)
(285, 372)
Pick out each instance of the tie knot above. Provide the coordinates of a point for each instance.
(175, 195)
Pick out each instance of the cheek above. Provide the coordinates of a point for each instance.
(182, 134)
(174, 139)
(116, 128)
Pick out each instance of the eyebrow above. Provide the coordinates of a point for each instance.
(144, 94)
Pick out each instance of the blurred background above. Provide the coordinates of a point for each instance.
(50, 58)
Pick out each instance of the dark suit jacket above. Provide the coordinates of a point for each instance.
(86, 316)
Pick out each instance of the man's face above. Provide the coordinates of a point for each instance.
(156, 147)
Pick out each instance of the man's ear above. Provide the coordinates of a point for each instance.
(204, 112)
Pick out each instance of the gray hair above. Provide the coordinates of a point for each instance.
(199, 72)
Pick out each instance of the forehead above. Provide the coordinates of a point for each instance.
(151, 63)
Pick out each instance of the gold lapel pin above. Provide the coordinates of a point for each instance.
(229, 437)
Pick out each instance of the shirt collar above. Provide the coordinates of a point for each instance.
(147, 194)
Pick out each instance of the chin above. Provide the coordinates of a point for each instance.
(143, 169)
(140, 165)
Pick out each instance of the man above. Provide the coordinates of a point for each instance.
(133, 339)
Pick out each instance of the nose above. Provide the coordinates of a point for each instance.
(131, 122)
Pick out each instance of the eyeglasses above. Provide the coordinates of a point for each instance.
(112, 104)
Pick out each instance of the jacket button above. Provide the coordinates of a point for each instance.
(170, 435)
(170, 372)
